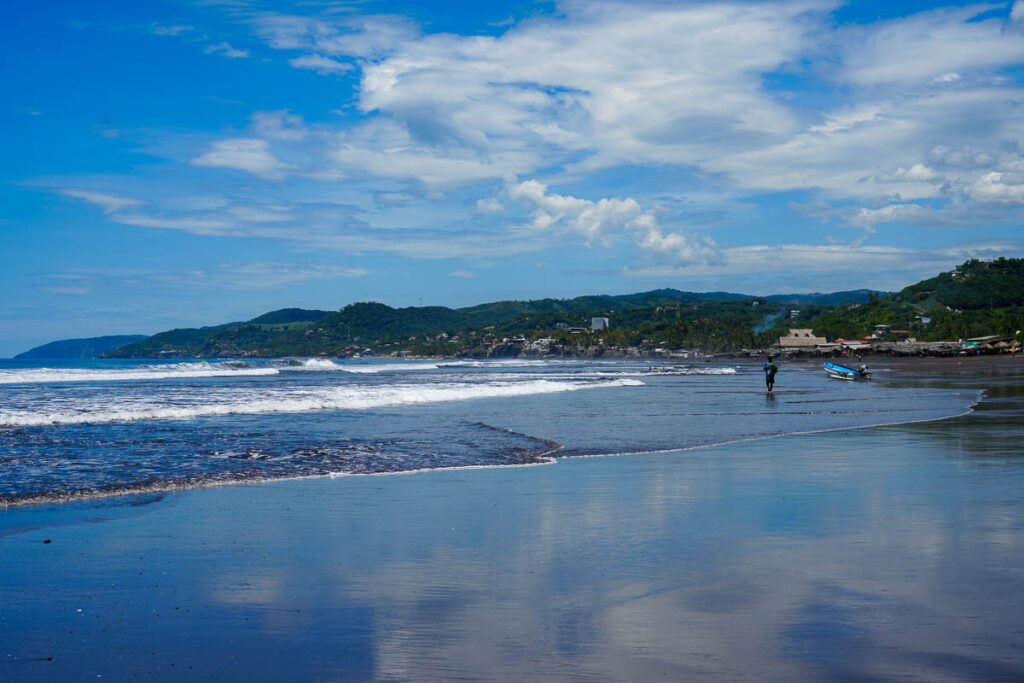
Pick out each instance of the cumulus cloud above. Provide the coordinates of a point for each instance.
(607, 218)
(245, 154)
(1004, 188)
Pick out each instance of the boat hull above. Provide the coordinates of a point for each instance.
(839, 372)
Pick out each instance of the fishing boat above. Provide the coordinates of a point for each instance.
(839, 372)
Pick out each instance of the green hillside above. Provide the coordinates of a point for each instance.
(976, 299)
(382, 328)
(657, 319)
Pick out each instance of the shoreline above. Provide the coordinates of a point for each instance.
(854, 553)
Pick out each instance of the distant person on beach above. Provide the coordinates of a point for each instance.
(770, 368)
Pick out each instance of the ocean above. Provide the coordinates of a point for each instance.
(90, 429)
(443, 520)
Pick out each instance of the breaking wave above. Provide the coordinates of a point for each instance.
(146, 407)
(373, 369)
(138, 373)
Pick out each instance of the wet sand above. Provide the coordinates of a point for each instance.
(882, 553)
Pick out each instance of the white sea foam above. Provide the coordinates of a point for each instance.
(372, 369)
(138, 373)
(150, 407)
(506, 363)
(596, 374)
(313, 364)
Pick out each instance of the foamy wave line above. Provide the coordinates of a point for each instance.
(386, 367)
(331, 398)
(507, 363)
(141, 373)
(596, 374)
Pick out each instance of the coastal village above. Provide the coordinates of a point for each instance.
(797, 343)
(886, 341)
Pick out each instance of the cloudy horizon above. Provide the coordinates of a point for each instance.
(188, 163)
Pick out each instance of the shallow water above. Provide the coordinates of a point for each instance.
(94, 428)
(889, 553)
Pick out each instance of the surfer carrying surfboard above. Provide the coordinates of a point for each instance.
(770, 368)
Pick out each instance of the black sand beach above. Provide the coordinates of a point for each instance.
(868, 554)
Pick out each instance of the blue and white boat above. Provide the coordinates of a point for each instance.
(839, 372)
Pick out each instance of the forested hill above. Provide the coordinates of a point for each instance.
(79, 348)
(717, 320)
(976, 299)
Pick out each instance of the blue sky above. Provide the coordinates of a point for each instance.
(172, 164)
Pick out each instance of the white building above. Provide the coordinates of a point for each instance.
(598, 324)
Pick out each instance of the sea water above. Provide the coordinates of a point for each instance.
(85, 429)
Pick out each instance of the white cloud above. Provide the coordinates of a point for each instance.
(172, 30)
(108, 203)
(226, 50)
(681, 86)
(1017, 13)
(385, 149)
(914, 173)
(926, 47)
(607, 218)
(858, 155)
(888, 214)
(279, 125)
(322, 65)
(489, 205)
(355, 36)
(797, 258)
(1004, 188)
(464, 274)
(245, 154)
(201, 225)
(923, 129)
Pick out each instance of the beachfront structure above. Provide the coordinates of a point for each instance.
(801, 338)
(598, 324)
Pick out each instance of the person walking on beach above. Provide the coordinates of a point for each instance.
(770, 368)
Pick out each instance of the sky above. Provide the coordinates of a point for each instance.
(179, 163)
